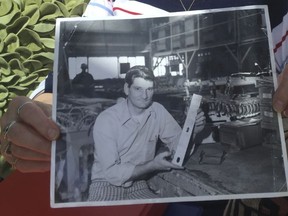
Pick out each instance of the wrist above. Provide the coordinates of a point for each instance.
(154, 166)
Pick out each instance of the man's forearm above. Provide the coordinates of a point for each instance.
(140, 171)
(159, 163)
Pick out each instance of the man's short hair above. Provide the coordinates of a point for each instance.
(138, 71)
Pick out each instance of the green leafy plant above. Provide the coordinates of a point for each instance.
(27, 30)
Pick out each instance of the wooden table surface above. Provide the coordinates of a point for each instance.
(257, 169)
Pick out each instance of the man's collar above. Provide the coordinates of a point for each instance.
(125, 115)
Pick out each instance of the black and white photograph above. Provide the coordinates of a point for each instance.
(166, 109)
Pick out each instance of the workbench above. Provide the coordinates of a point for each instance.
(258, 169)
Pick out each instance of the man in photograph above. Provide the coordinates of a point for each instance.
(125, 141)
(83, 83)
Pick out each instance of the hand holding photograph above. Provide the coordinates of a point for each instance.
(167, 108)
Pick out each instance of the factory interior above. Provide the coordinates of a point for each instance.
(222, 56)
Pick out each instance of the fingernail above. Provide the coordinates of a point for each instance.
(278, 106)
(52, 134)
(285, 113)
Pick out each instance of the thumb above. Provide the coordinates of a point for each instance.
(165, 154)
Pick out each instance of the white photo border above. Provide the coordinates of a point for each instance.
(53, 202)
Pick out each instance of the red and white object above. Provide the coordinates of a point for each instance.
(98, 8)
(126, 7)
